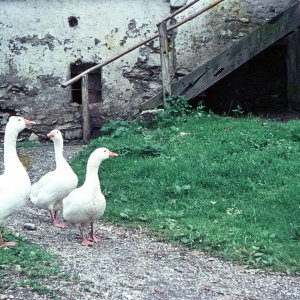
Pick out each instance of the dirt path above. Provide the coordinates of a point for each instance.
(130, 265)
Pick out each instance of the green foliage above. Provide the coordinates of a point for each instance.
(29, 144)
(30, 265)
(228, 186)
(177, 106)
(26, 144)
(121, 128)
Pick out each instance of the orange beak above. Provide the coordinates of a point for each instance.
(50, 135)
(29, 122)
(112, 154)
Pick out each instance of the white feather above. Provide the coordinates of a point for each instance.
(50, 190)
(86, 204)
(14, 182)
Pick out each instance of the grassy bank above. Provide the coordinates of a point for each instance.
(228, 186)
(28, 266)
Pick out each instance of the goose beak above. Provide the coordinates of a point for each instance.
(29, 122)
(50, 135)
(112, 154)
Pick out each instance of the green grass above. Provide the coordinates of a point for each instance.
(228, 186)
(29, 266)
(26, 144)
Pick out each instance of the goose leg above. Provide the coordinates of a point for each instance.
(85, 242)
(9, 244)
(92, 236)
(55, 222)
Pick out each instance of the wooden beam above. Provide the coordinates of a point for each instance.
(227, 61)
(86, 120)
(175, 13)
(293, 70)
(164, 60)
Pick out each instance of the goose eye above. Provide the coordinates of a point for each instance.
(19, 120)
(105, 151)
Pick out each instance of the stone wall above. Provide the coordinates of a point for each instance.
(40, 39)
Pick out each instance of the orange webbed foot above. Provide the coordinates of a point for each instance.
(86, 242)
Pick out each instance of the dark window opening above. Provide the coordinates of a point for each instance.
(73, 21)
(94, 82)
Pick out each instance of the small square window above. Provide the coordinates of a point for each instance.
(94, 81)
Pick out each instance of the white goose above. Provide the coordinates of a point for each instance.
(54, 186)
(87, 203)
(14, 182)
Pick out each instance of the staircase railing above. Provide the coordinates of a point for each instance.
(162, 34)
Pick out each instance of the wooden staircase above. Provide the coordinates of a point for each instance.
(207, 74)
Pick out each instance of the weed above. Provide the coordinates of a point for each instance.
(238, 111)
(121, 128)
(177, 106)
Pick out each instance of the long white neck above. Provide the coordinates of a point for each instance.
(11, 159)
(92, 171)
(59, 158)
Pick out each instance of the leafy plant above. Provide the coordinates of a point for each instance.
(121, 128)
(200, 109)
(177, 106)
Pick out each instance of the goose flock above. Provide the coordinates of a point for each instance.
(82, 206)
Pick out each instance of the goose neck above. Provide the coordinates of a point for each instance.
(92, 170)
(58, 150)
(10, 147)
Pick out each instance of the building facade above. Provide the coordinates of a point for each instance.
(44, 43)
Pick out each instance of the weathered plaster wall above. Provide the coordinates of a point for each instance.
(37, 46)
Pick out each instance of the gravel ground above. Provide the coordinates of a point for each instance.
(128, 264)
